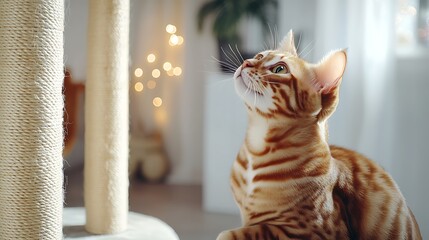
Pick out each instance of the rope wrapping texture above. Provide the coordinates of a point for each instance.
(106, 117)
(31, 115)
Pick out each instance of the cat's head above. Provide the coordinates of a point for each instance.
(279, 84)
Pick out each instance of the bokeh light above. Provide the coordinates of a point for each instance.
(138, 86)
(177, 71)
(170, 28)
(151, 58)
(138, 72)
(156, 73)
(174, 40)
(157, 102)
(167, 66)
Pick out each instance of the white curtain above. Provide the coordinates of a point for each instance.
(382, 111)
(366, 29)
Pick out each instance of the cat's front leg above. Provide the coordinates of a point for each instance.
(256, 232)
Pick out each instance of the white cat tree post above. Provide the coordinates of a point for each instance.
(31, 116)
(106, 117)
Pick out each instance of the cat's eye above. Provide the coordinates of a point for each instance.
(281, 68)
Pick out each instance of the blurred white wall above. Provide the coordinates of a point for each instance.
(411, 153)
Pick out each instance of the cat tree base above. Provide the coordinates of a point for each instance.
(140, 227)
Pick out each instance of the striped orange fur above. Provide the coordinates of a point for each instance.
(287, 181)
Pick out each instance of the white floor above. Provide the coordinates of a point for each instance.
(179, 206)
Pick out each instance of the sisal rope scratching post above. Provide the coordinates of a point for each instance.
(106, 117)
(31, 114)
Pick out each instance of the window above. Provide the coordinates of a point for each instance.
(412, 23)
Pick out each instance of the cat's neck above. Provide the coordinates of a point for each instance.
(263, 131)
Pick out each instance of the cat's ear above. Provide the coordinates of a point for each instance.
(288, 44)
(329, 71)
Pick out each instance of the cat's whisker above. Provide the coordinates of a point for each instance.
(263, 45)
(264, 89)
(262, 100)
(229, 69)
(247, 90)
(309, 44)
(209, 71)
(239, 53)
(268, 47)
(259, 87)
(272, 37)
(227, 65)
(229, 58)
(276, 36)
(309, 51)
(254, 95)
(226, 69)
(236, 57)
(299, 41)
(220, 61)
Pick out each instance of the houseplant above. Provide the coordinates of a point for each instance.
(228, 14)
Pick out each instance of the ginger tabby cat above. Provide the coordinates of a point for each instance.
(288, 182)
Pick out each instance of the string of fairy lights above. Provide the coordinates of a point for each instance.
(154, 69)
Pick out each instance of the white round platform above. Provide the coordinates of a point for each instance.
(140, 227)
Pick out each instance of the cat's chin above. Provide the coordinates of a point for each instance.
(246, 92)
(253, 99)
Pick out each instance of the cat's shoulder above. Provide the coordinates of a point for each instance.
(355, 163)
(349, 157)
(359, 171)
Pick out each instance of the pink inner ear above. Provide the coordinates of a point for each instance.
(330, 71)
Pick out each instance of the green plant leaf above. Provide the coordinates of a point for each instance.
(228, 15)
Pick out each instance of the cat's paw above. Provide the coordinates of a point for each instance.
(225, 235)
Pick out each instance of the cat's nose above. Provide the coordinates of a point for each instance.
(246, 64)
